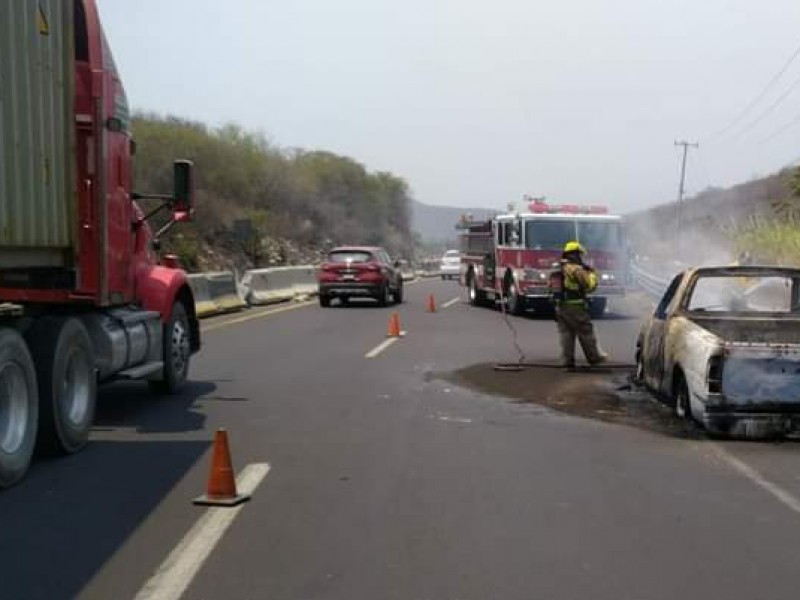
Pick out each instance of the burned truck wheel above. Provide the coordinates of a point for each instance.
(683, 404)
(176, 352)
(19, 407)
(638, 374)
(62, 351)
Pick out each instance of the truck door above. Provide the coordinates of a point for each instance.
(491, 254)
(119, 213)
(654, 354)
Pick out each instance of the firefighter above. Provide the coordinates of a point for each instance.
(572, 308)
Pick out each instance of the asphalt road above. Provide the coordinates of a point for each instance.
(418, 474)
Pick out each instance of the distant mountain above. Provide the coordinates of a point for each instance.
(437, 223)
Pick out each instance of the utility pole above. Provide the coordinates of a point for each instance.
(686, 145)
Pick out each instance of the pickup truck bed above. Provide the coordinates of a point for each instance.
(751, 330)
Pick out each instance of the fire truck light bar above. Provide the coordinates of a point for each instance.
(540, 207)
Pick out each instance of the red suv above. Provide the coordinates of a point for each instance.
(360, 272)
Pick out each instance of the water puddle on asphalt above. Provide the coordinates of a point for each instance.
(602, 395)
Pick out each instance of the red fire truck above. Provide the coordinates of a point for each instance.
(510, 257)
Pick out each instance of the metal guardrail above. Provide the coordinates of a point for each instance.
(653, 285)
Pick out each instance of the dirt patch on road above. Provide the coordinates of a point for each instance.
(602, 395)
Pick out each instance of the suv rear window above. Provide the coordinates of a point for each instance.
(356, 256)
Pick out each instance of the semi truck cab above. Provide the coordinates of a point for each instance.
(84, 298)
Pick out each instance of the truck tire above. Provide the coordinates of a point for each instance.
(680, 394)
(324, 300)
(597, 307)
(177, 353)
(65, 367)
(19, 407)
(476, 295)
(638, 374)
(514, 304)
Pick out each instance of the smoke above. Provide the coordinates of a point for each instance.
(714, 227)
(658, 243)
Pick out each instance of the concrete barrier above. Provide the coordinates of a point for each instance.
(203, 305)
(215, 293)
(279, 284)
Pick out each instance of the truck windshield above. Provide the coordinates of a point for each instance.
(598, 235)
(548, 235)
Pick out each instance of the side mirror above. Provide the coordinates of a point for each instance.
(183, 190)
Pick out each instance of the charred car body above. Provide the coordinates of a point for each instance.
(723, 346)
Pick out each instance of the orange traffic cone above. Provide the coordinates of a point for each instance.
(431, 304)
(394, 326)
(221, 488)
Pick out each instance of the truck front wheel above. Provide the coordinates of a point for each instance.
(64, 357)
(19, 407)
(177, 351)
(514, 304)
(597, 307)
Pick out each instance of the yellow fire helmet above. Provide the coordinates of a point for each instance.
(574, 246)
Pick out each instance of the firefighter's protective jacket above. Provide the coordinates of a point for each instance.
(578, 283)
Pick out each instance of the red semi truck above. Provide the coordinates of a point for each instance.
(511, 256)
(83, 296)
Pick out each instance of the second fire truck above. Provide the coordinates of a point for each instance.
(511, 256)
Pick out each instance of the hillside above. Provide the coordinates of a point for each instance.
(436, 224)
(759, 217)
(257, 204)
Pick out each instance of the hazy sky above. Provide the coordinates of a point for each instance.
(477, 102)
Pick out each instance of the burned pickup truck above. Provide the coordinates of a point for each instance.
(723, 347)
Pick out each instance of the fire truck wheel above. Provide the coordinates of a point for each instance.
(597, 308)
(177, 353)
(19, 407)
(476, 295)
(64, 357)
(514, 303)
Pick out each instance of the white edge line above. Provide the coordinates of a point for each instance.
(380, 347)
(784, 497)
(450, 303)
(171, 579)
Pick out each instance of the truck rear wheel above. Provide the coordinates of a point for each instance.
(64, 357)
(19, 407)
(683, 403)
(476, 295)
(177, 351)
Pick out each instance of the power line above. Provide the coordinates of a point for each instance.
(765, 113)
(758, 98)
(778, 132)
